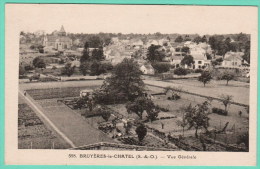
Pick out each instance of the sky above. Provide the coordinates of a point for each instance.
(133, 18)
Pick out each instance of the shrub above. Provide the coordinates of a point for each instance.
(198, 71)
(180, 71)
(219, 111)
(161, 67)
(54, 67)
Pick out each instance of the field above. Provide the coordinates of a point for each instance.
(33, 134)
(170, 122)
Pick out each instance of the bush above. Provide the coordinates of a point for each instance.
(219, 111)
(198, 71)
(180, 71)
(28, 67)
(54, 67)
(161, 67)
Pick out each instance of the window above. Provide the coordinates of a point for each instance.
(199, 62)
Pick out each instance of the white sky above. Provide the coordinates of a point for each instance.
(134, 19)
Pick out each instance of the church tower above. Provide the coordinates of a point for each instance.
(62, 31)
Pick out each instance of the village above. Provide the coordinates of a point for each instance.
(156, 92)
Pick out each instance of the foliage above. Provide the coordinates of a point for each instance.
(97, 54)
(205, 77)
(28, 67)
(161, 67)
(226, 100)
(179, 39)
(198, 70)
(187, 60)
(185, 49)
(39, 63)
(155, 54)
(197, 116)
(124, 84)
(141, 131)
(180, 71)
(21, 70)
(141, 104)
(68, 70)
(244, 138)
(227, 76)
(219, 111)
(84, 67)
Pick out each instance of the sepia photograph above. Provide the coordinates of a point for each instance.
(135, 78)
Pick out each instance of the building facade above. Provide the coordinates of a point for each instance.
(58, 40)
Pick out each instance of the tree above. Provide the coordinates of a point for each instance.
(154, 53)
(197, 117)
(161, 67)
(246, 55)
(94, 68)
(205, 77)
(227, 76)
(84, 67)
(197, 39)
(85, 57)
(204, 39)
(105, 113)
(21, 70)
(179, 39)
(95, 41)
(68, 70)
(141, 104)
(226, 100)
(141, 131)
(39, 63)
(97, 54)
(185, 49)
(187, 60)
(180, 71)
(125, 80)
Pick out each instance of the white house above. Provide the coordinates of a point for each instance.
(199, 60)
(147, 69)
(233, 59)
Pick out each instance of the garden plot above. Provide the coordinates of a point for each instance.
(32, 133)
(38, 94)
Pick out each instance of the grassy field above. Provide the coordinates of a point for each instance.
(239, 90)
(33, 134)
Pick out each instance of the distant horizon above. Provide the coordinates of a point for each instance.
(137, 19)
(139, 33)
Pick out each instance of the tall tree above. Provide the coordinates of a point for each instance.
(141, 131)
(126, 80)
(84, 67)
(155, 54)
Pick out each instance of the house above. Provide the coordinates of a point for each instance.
(147, 69)
(58, 40)
(233, 59)
(176, 61)
(199, 60)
